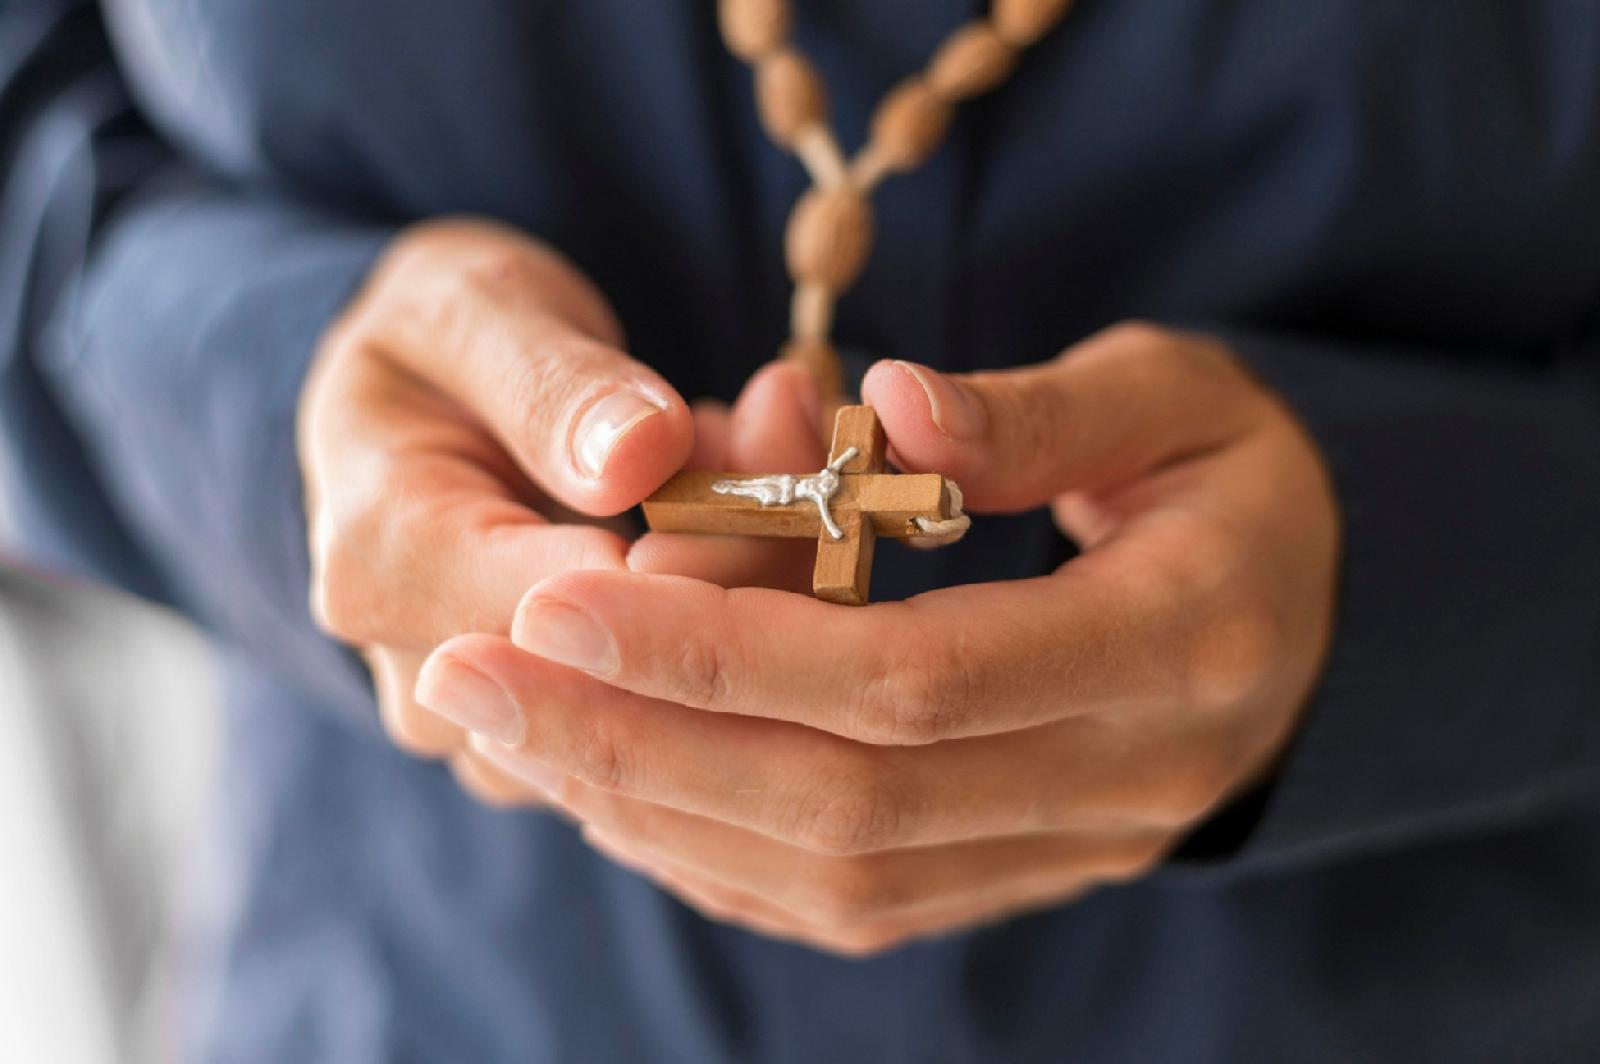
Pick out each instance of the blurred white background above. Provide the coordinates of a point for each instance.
(107, 739)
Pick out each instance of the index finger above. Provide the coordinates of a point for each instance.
(415, 534)
(964, 661)
(514, 333)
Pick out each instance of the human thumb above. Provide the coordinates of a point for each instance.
(1105, 412)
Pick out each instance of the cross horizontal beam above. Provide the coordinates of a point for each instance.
(891, 501)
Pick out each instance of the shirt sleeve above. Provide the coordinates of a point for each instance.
(1462, 693)
(181, 355)
(166, 324)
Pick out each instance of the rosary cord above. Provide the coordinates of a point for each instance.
(829, 234)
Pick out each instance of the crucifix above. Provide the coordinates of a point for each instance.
(846, 505)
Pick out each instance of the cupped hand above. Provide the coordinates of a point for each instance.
(465, 426)
(855, 777)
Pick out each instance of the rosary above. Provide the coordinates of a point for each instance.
(851, 501)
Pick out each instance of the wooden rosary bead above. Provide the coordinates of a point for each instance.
(829, 235)
(909, 124)
(1022, 22)
(752, 28)
(973, 60)
(789, 95)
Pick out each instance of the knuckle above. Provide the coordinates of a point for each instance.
(341, 598)
(406, 739)
(1164, 585)
(708, 903)
(1040, 423)
(1134, 333)
(1233, 656)
(914, 701)
(1203, 367)
(1143, 354)
(354, 540)
(327, 611)
(864, 943)
(1029, 423)
(848, 816)
(498, 272)
(569, 794)
(412, 729)
(1132, 862)
(1215, 370)
(551, 378)
(1135, 346)
(1231, 641)
(846, 892)
(594, 807)
(602, 759)
(483, 788)
(1188, 791)
(331, 385)
(456, 269)
(703, 670)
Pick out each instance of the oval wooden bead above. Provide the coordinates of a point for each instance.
(752, 28)
(909, 124)
(974, 59)
(1022, 22)
(789, 94)
(829, 235)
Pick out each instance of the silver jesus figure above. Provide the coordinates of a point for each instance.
(782, 489)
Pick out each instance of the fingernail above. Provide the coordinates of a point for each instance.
(460, 693)
(955, 410)
(534, 773)
(566, 635)
(603, 425)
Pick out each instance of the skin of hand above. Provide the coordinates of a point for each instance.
(464, 428)
(853, 778)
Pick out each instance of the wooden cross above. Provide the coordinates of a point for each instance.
(861, 501)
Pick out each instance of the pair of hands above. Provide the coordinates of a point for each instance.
(848, 778)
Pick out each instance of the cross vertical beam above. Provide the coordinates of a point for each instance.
(843, 572)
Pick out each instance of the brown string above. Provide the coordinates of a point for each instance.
(829, 234)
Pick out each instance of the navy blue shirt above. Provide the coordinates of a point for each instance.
(1391, 209)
